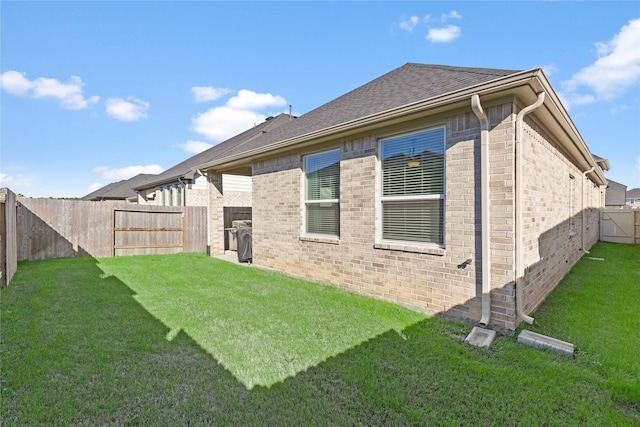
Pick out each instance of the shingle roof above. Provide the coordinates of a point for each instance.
(120, 190)
(634, 193)
(602, 162)
(217, 151)
(95, 195)
(402, 86)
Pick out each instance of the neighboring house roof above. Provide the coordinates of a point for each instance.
(411, 91)
(185, 168)
(634, 193)
(615, 195)
(603, 163)
(120, 190)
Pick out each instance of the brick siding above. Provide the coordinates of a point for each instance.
(425, 278)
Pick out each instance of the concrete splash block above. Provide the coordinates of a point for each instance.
(533, 339)
(480, 337)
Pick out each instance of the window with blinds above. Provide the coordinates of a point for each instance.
(322, 193)
(413, 192)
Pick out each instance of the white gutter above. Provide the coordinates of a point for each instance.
(519, 273)
(484, 208)
(584, 227)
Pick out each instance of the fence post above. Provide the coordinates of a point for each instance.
(8, 237)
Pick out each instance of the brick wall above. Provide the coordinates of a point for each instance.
(556, 199)
(195, 196)
(426, 278)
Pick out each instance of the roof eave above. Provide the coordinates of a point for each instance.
(572, 141)
(158, 183)
(534, 79)
(373, 120)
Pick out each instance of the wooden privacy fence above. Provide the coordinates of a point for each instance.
(620, 225)
(137, 231)
(50, 228)
(8, 246)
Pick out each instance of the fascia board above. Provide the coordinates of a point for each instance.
(533, 78)
(574, 142)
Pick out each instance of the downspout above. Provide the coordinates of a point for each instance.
(484, 208)
(208, 214)
(584, 227)
(518, 208)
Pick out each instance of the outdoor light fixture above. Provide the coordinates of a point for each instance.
(413, 162)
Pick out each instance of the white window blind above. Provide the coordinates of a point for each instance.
(322, 193)
(413, 187)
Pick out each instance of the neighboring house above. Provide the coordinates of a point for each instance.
(121, 191)
(615, 194)
(601, 162)
(184, 184)
(633, 197)
(462, 191)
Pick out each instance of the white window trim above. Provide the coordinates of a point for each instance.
(316, 237)
(410, 245)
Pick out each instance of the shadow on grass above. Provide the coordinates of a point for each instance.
(78, 349)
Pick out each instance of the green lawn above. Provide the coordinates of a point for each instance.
(185, 339)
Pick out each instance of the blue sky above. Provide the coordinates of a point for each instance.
(95, 92)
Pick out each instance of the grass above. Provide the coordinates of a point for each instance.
(598, 309)
(185, 339)
(261, 326)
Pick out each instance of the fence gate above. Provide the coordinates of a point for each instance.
(142, 232)
(620, 226)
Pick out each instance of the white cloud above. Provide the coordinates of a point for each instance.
(69, 94)
(208, 93)
(444, 35)
(114, 174)
(451, 15)
(96, 185)
(571, 99)
(15, 82)
(408, 24)
(15, 182)
(249, 100)
(129, 110)
(195, 147)
(549, 69)
(237, 115)
(617, 67)
(221, 123)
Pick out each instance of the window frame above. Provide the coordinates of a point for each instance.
(305, 201)
(407, 244)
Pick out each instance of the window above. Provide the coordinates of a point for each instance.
(322, 193)
(412, 196)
